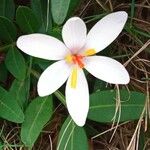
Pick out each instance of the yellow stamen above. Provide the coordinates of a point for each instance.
(89, 52)
(74, 77)
(68, 58)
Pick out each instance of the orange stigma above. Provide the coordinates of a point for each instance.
(76, 59)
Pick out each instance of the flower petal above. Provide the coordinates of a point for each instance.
(42, 46)
(105, 31)
(77, 99)
(107, 69)
(53, 78)
(74, 34)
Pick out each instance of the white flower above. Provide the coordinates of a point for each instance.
(75, 55)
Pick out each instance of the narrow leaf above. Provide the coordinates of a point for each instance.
(36, 116)
(103, 104)
(15, 63)
(72, 137)
(9, 108)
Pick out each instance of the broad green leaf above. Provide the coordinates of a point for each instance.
(59, 10)
(9, 108)
(19, 91)
(62, 8)
(37, 115)
(26, 20)
(40, 9)
(103, 104)
(8, 31)
(72, 137)
(7, 8)
(15, 63)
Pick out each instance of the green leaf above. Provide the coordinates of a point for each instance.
(9, 108)
(40, 8)
(26, 20)
(73, 5)
(1, 145)
(7, 8)
(72, 137)
(19, 91)
(100, 85)
(142, 140)
(8, 31)
(36, 116)
(132, 10)
(62, 8)
(15, 63)
(140, 32)
(3, 72)
(59, 10)
(103, 104)
(42, 63)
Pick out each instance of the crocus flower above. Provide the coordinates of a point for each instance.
(75, 54)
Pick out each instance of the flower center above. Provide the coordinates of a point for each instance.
(77, 59)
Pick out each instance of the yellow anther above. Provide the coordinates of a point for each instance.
(89, 52)
(74, 77)
(68, 58)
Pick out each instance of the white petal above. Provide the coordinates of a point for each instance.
(77, 99)
(106, 31)
(42, 46)
(53, 78)
(74, 34)
(107, 69)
